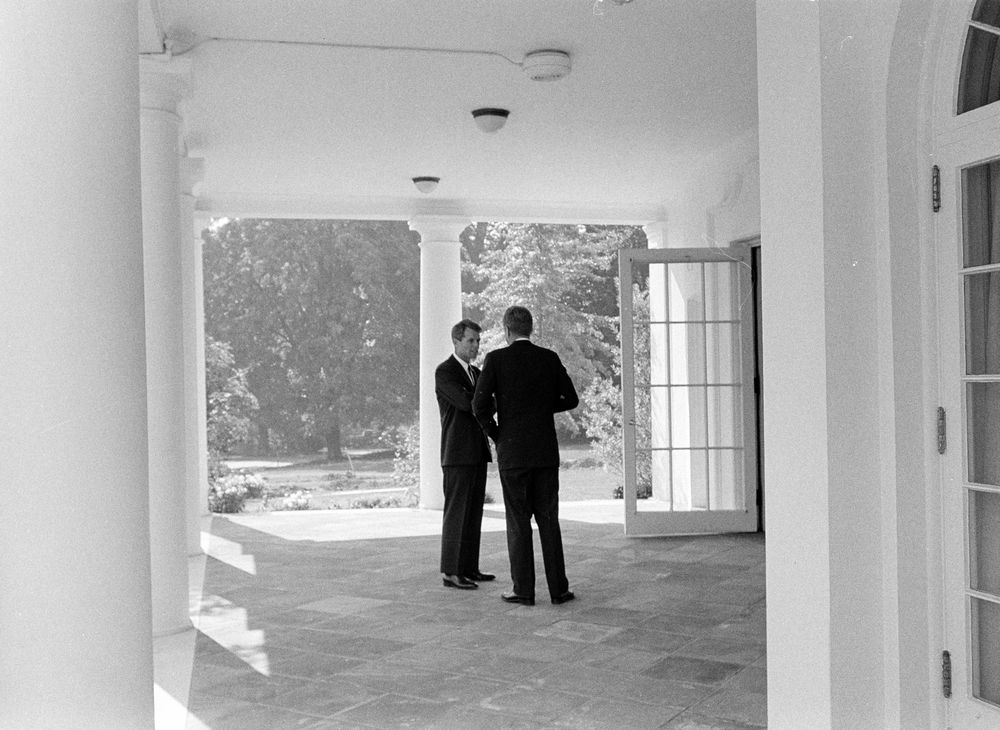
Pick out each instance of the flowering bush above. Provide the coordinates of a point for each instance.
(223, 497)
(253, 483)
(228, 493)
(294, 501)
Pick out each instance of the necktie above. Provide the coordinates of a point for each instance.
(472, 374)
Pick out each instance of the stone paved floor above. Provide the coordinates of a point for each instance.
(307, 621)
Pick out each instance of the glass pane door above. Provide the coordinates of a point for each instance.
(687, 376)
(980, 287)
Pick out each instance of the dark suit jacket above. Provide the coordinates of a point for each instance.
(528, 384)
(462, 440)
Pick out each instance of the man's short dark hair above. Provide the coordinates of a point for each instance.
(458, 331)
(518, 320)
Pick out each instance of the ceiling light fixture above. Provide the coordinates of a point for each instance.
(426, 184)
(546, 65)
(490, 119)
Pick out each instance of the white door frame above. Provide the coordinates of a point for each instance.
(669, 521)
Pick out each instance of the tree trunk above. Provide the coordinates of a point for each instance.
(334, 450)
(263, 438)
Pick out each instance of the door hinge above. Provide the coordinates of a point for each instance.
(946, 673)
(936, 188)
(942, 430)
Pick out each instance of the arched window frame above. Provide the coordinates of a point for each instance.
(979, 79)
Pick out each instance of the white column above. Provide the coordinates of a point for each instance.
(831, 598)
(193, 300)
(664, 488)
(440, 308)
(162, 87)
(74, 572)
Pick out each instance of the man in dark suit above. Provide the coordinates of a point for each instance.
(464, 453)
(525, 385)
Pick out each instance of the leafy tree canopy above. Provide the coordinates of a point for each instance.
(230, 402)
(324, 317)
(565, 275)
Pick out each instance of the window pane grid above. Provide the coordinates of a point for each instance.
(979, 299)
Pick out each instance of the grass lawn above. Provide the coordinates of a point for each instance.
(368, 477)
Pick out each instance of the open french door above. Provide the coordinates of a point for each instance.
(968, 262)
(688, 407)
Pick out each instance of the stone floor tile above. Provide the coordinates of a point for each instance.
(433, 656)
(320, 698)
(461, 689)
(362, 647)
(307, 665)
(531, 701)
(751, 679)
(677, 623)
(542, 648)
(466, 717)
(505, 667)
(694, 721)
(416, 632)
(619, 659)
(707, 609)
(736, 650)
(341, 604)
(600, 714)
(649, 640)
(578, 631)
(249, 716)
(398, 711)
(749, 708)
(360, 634)
(689, 669)
(613, 616)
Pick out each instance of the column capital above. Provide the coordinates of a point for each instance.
(202, 220)
(192, 173)
(162, 84)
(439, 227)
(656, 234)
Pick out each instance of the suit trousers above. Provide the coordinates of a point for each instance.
(534, 492)
(464, 489)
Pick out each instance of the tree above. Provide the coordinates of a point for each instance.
(229, 400)
(324, 315)
(565, 275)
(602, 413)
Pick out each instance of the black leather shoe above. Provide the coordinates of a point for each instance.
(567, 596)
(480, 577)
(514, 598)
(457, 581)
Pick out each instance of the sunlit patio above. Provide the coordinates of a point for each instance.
(333, 619)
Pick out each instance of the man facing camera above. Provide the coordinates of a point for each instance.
(525, 385)
(464, 453)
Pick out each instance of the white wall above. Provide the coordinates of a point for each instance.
(845, 406)
(721, 201)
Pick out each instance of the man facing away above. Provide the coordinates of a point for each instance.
(464, 453)
(525, 385)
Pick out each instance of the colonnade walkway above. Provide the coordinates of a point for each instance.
(338, 619)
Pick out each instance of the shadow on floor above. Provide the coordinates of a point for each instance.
(304, 622)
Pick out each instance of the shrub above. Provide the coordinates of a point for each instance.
(406, 466)
(225, 497)
(376, 502)
(294, 501)
(228, 490)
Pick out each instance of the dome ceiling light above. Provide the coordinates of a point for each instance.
(426, 184)
(546, 65)
(490, 119)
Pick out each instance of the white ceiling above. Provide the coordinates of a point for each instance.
(314, 125)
